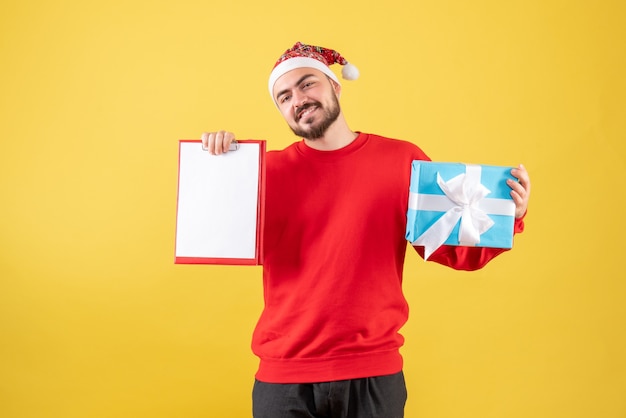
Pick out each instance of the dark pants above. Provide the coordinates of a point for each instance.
(374, 397)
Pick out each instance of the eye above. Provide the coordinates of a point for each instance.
(284, 98)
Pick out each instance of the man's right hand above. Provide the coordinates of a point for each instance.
(217, 142)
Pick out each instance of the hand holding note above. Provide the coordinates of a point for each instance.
(217, 142)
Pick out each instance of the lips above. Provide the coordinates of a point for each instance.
(305, 111)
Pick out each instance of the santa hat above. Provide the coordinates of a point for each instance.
(309, 56)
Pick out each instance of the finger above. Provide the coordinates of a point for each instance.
(522, 175)
(520, 195)
(219, 143)
(520, 204)
(517, 187)
(205, 141)
(211, 143)
(228, 139)
(517, 197)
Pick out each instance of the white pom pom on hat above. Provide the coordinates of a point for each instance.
(349, 72)
(309, 56)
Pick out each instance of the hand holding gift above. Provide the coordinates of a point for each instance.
(520, 192)
(464, 204)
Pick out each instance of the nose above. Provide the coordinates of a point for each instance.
(299, 99)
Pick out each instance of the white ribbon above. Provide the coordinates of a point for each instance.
(465, 200)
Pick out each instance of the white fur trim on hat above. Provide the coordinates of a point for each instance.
(298, 62)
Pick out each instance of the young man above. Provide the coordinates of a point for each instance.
(336, 205)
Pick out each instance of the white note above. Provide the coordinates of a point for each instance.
(218, 202)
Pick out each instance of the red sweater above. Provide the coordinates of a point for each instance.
(334, 253)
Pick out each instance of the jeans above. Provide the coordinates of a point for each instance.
(373, 397)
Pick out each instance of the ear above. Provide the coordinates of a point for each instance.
(336, 87)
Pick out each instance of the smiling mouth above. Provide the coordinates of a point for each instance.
(305, 111)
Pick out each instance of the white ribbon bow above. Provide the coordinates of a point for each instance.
(465, 191)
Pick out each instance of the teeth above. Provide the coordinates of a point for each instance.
(306, 111)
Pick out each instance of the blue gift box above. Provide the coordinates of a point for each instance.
(459, 204)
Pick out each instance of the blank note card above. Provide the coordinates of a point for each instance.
(220, 201)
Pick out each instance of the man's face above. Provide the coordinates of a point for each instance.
(307, 99)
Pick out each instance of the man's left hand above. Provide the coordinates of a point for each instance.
(520, 190)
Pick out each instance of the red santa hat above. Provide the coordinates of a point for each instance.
(309, 56)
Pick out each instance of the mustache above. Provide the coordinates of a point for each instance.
(305, 107)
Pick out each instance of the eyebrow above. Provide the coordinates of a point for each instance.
(304, 77)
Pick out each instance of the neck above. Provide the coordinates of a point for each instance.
(337, 136)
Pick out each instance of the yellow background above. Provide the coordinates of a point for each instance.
(97, 321)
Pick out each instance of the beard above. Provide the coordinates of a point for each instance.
(313, 131)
